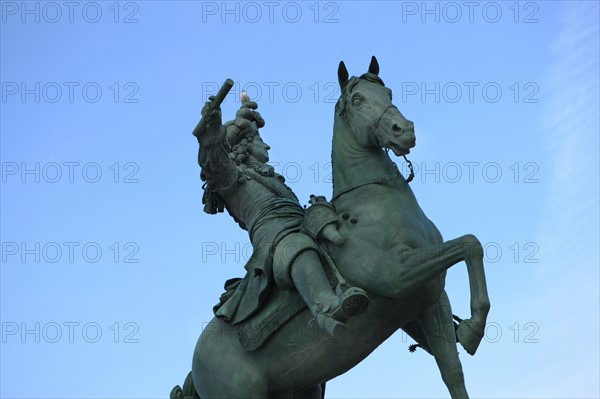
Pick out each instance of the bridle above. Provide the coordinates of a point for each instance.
(345, 113)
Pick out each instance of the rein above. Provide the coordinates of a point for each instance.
(412, 171)
(379, 180)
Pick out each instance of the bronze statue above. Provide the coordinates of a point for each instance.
(389, 248)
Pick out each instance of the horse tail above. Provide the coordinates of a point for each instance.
(187, 392)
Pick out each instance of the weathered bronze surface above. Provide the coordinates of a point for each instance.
(342, 275)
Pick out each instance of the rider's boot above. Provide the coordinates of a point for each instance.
(329, 309)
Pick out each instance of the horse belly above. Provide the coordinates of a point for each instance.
(308, 359)
(314, 356)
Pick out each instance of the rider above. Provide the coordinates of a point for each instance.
(234, 165)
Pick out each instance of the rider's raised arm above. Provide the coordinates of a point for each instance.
(218, 170)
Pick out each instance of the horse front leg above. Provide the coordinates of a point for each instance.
(470, 331)
(419, 266)
(438, 327)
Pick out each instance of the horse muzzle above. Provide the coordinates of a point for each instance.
(408, 139)
(403, 143)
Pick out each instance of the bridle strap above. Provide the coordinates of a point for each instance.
(380, 116)
(382, 179)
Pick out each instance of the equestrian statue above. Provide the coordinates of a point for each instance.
(327, 284)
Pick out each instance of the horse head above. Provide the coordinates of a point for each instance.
(366, 107)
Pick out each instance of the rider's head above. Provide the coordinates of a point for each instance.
(247, 145)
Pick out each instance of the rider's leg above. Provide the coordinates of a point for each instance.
(313, 285)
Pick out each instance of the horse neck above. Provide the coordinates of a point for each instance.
(354, 164)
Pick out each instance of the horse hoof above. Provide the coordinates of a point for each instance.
(469, 335)
(354, 301)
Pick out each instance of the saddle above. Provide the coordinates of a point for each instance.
(276, 310)
(283, 302)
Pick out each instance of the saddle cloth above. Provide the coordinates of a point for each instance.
(280, 307)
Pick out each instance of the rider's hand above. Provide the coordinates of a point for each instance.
(212, 116)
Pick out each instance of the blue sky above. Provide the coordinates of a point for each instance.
(110, 268)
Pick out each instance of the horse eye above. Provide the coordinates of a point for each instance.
(356, 101)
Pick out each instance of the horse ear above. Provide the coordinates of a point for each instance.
(374, 66)
(342, 75)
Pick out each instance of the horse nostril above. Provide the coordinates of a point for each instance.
(397, 128)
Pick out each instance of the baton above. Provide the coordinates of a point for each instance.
(214, 104)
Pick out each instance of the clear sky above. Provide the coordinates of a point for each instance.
(110, 268)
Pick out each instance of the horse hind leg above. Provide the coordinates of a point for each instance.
(221, 368)
(438, 327)
(187, 392)
(312, 392)
(244, 380)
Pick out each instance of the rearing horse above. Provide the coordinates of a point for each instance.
(392, 250)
